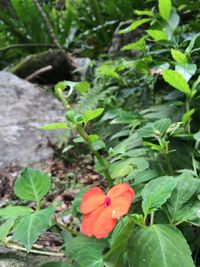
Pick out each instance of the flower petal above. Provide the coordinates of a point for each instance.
(119, 190)
(92, 199)
(104, 224)
(89, 221)
(120, 206)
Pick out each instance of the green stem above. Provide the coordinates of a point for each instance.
(62, 98)
(187, 109)
(151, 218)
(84, 135)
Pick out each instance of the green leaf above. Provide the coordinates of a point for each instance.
(184, 205)
(159, 246)
(5, 228)
(138, 45)
(14, 212)
(30, 227)
(32, 185)
(164, 7)
(107, 70)
(187, 115)
(134, 25)
(176, 80)
(156, 193)
(144, 13)
(92, 259)
(155, 129)
(119, 240)
(61, 85)
(54, 126)
(98, 144)
(93, 137)
(83, 87)
(92, 114)
(157, 35)
(79, 242)
(179, 57)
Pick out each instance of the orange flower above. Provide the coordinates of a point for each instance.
(101, 211)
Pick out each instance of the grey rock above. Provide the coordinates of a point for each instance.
(24, 107)
(11, 258)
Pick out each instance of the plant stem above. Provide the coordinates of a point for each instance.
(62, 98)
(84, 135)
(34, 251)
(151, 218)
(187, 109)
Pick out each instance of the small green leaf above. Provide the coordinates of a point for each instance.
(92, 259)
(159, 245)
(54, 126)
(144, 13)
(134, 25)
(14, 212)
(30, 227)
(157, 35)
(164, 7)
(179, 57)
(138, 45)
(92, 114)
(197, 136)
(5, 228)
(156, 193)
(107, 70)
(93, 137)
(83, 87)
(32, 185)
(176, 80)
(98, 144)
(187, 115)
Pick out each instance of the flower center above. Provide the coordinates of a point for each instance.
(107, 202)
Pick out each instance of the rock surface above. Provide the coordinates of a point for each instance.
(24, 107)
(11, 258)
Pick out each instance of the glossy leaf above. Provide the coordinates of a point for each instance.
(157, 35)
(30, 227)
(164, 7)
(177, 81)
(32, 184)
(156, 193)
(184, 205)
(179, 57)
(135, 25)
(159, 245)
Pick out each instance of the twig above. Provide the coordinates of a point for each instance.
(37, 72)
(34, 251)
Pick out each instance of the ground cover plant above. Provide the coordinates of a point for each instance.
(138, 118)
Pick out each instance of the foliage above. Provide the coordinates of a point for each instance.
(140, 119)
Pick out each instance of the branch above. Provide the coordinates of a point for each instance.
(37, 72)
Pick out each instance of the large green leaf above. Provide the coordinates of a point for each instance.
(165, 8)
(91, 259)
(184, 205)
(14, 212)
(30, 227)
(159, 246)
(76, 244)
(156, 193)
(176, 80)
(32, 185)
(179, 57)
